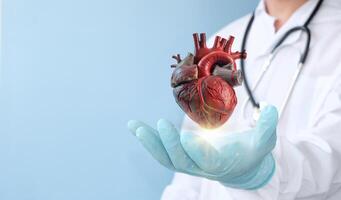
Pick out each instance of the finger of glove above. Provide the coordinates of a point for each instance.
(154, 145)
(171, 141)
(202, 153)
(133, 125)
(266, 127)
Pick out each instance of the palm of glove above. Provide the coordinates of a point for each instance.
(241, 160)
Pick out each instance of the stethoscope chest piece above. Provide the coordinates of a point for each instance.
(257, 111)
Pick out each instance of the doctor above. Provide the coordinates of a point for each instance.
(294, 153)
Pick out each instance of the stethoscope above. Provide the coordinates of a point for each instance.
(277, 47)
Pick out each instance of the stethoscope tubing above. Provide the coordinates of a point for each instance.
(293, 82)
(259, 78)
(273, 53)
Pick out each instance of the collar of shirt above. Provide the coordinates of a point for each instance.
(297, 19)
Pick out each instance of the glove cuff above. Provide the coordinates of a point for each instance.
(255, 178)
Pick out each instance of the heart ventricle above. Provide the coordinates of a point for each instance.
(207, 97)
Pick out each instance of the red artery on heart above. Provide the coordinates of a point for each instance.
(203, 83)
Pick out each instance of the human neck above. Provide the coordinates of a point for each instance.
(282, 10)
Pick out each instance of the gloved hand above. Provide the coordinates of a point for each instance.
(239, 160)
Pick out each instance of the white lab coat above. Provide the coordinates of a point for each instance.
(308, 150)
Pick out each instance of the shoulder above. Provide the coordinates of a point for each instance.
(326, 39)
(328, 14)
(236, 28)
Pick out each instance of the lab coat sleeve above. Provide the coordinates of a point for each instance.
(183, 187)
(309, 162)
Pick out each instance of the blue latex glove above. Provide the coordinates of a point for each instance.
(239, 160)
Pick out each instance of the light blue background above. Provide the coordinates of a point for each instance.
(73, 72)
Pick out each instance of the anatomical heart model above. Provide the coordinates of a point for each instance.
(203, 83)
